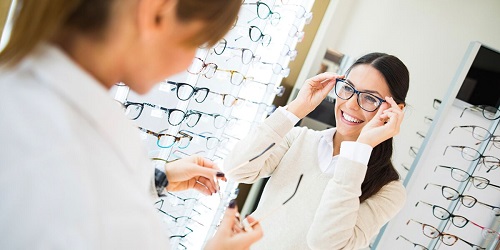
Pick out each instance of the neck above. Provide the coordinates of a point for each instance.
(93, 56)
(337, 140)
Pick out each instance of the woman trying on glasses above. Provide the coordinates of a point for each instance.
(350, 188)
(74, 174)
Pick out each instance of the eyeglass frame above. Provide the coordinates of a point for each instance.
(480, 158)
(473, 128)
(482, 109)
(166, 110)
(469, 177)
(203, 67)
(219, 141)
(495, 210)
(159, 135)
(214, 115)
(441, 234)
(270, 16)
(194, 91)
(357, 92)
(449, 215)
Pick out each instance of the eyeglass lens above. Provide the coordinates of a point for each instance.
(366, 101)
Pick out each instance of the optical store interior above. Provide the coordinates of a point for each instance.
(447, 152)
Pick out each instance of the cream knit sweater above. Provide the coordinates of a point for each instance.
(326, 212)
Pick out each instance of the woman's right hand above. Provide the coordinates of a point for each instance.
(312, 93)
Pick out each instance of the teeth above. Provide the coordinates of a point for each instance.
(350, 118)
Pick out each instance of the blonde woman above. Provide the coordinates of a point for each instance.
(73, 174)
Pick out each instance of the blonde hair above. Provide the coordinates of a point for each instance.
(41, 20)
(36, 21)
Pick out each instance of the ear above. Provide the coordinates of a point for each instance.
(401, 106)
(154, 14)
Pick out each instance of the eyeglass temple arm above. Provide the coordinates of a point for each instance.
(276, 208)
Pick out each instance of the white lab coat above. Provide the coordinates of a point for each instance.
(73, 170)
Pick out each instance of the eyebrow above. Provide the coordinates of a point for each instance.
(366, 91)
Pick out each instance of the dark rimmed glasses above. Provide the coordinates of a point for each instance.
(366, 100)
(134, 109)
(466, 200)
(167, 140)
(470, 154)
(200, 67)
(257, 35)
(446, 238)
(415, 245)
(443, 214)
(462, 176)
(489, 112)
(185, 91)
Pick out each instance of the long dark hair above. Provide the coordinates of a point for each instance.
(380, 169)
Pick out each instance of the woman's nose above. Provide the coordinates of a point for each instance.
(352, 103)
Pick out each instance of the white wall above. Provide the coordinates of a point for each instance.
(430, 37)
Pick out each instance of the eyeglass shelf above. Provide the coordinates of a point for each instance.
(188, 232)
(421, 172)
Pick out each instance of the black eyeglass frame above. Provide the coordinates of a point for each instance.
(358, 93)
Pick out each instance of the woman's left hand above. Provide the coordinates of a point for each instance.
(384, 125)
(193, 172)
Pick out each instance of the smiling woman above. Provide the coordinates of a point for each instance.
(350, 188)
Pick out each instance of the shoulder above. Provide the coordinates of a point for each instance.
(392, 193)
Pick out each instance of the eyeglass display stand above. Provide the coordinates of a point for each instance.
(191, 218)
(423, 171)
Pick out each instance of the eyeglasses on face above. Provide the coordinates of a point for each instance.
(366, 100)
(443, 214)
(185, 91)
(489, 112)
(415, 245)
(462, 176)
(471, 154)
(466, 200)
(133, 110)
(200, 67)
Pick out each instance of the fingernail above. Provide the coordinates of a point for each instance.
(219, 174)
(232, 203)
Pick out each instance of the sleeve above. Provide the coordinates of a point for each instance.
(341, 222)
(277, 129)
